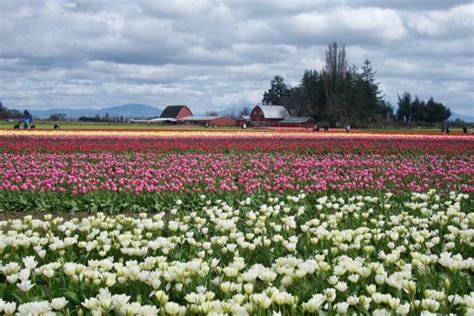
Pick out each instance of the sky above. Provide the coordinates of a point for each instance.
(215, 54)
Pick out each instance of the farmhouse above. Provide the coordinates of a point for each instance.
(268, 113)
(209, 120)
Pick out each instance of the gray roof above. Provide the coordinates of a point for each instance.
(274, 111)
(162, 119)
(200, 118)
(296, 119)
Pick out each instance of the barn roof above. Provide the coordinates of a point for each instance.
(162, 119)
(274, 111)
(172, 111)
(296, 119)
(200, 118)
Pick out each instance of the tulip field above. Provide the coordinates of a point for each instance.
(235, 222)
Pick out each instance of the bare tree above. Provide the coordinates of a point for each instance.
(57, 117)
(334, 74)
(245, 111)
(212, 113)
(335, 68)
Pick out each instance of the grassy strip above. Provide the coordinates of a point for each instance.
(113, 202)
(144, 126)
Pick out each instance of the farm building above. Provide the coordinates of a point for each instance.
(162, 120)
(176, 112)
(171, 114)
(210, 120)
(297, 121)
(243, 121)
(268, 113)
(277, 115)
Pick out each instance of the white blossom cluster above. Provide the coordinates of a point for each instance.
(365, 254)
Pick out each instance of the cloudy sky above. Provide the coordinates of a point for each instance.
(216, 54)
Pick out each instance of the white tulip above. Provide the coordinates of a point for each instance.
(25, 285)
(58, 303)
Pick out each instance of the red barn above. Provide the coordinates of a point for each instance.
(268, 113)
(175, 112)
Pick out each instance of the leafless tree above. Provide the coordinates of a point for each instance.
(334, 74)
(212, 113)
(245, 111)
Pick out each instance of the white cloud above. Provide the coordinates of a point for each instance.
(214, 53)
(458, 21)
(364, 23)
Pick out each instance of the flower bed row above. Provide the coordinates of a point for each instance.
(370, 254)
(192, 172)
(263, 142)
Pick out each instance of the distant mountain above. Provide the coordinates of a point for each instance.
(129, 110)
(465, 118)
(133, 110)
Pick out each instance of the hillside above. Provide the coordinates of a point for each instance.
(129, 110)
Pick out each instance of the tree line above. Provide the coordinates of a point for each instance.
(104, 119)
(6, 113)
(11, 114)
(340, 94)
(415, 110)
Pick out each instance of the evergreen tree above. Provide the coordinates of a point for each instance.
(436, 111)
(404, 107)
(418, 110)
(385, 112)
(347, 95)
(278, 91)
(313, 94)
(373, 104)
(421, 111)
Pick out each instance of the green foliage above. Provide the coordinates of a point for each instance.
(57, 117)
(6, 113)
(338, 94)
(278, 92)
(408, 247)
(404, 107)
(344, 95)
(114, 203)
(418, 110)
(436, 111)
